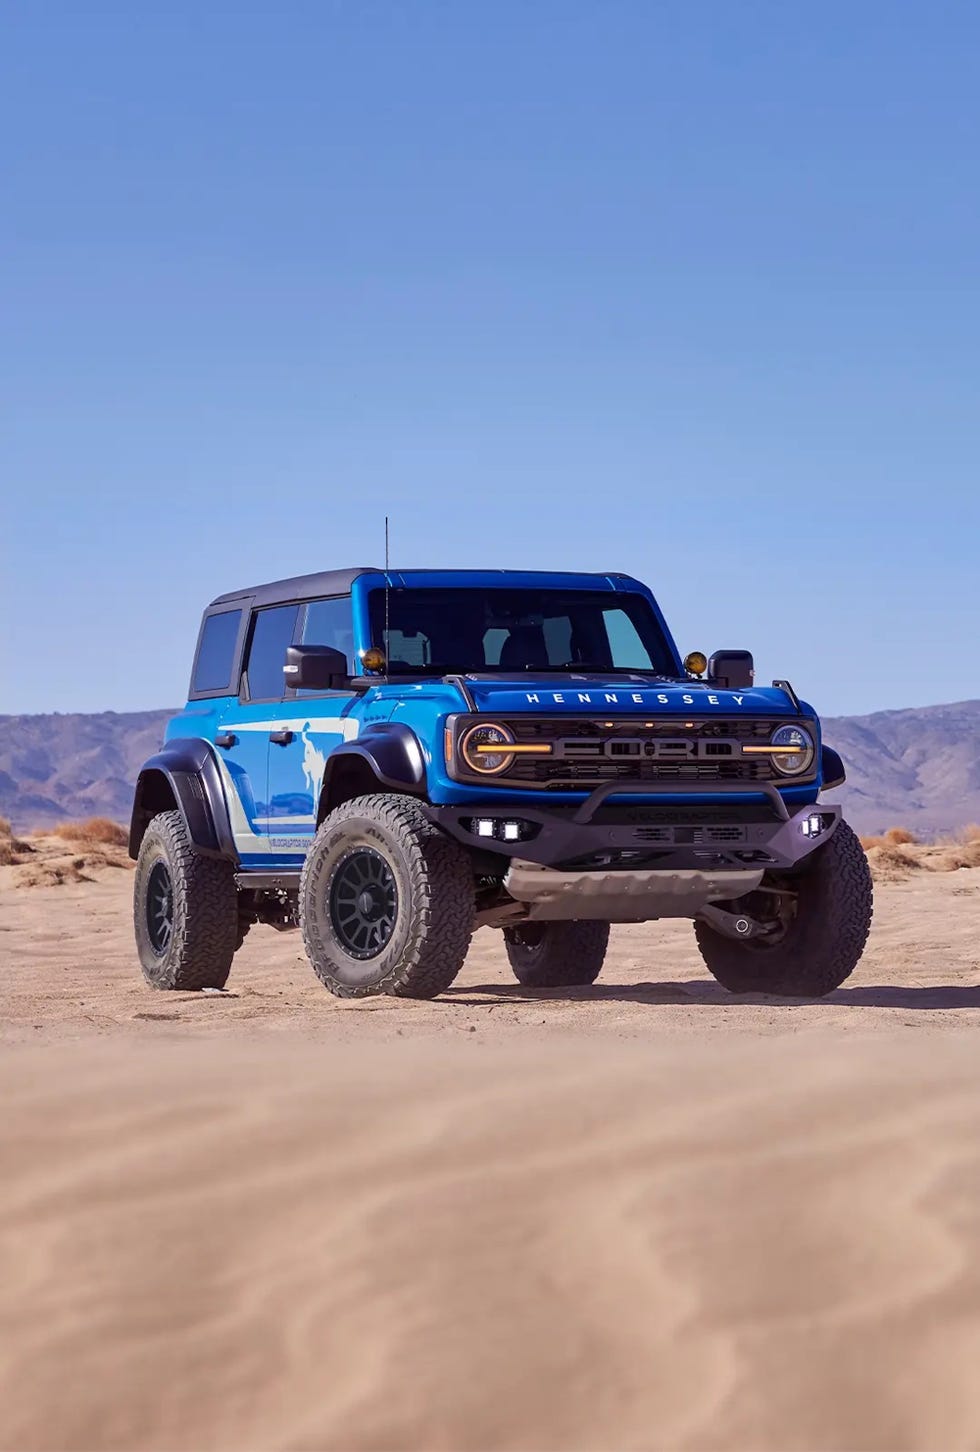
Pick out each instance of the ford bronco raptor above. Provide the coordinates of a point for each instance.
(391, 759)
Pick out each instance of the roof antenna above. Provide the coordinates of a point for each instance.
(387, 594)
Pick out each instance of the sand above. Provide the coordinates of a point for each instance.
(646, 1215)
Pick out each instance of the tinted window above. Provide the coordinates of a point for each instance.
(271, 634)
(432, 632)
(216, 653)
(625, 645)
(328, 622)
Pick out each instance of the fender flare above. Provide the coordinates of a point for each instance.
(393, 753)
(832, 771)
(186, 770)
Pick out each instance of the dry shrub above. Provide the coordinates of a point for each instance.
(900, 837)
(12, 849)
(5, 828)
(969, 835)
(96, 829)
(960, 854)
(55, 873)
(889, 863)
(894, 837)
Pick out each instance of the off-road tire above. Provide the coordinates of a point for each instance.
(557, 955)
(824, 942)
(204, 910)
(435, 900)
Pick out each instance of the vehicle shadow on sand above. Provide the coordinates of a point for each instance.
(709, 993)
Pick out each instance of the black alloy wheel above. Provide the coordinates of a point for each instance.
(363, 902)
(160, 908)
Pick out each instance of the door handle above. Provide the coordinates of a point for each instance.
(281, 738)
(225, 738)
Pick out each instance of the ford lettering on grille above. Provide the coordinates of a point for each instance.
(619, 748)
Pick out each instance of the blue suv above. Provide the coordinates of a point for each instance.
(391, 759)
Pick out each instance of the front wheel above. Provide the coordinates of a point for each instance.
(386, 900)
(557, 955)
(819, 920)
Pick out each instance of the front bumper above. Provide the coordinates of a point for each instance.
(732, 831)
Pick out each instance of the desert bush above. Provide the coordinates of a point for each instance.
(900, 837)
(894, 837)
(960, 854)
(889, 863)
(5, 828)
(96, 829)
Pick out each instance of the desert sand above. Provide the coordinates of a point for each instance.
(645, 1215)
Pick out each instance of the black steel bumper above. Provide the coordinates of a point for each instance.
(759, 835)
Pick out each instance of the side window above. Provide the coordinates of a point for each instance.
(625, 645)
(272, 632)
(328, 622)
(216, 653)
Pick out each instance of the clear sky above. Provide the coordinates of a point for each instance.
(689, 290)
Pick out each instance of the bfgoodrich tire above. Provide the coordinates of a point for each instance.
(185, 910)
(386, 901)
(826, 916)
(557, 955)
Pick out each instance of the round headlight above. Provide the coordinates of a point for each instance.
(798, 757)
(484, 748)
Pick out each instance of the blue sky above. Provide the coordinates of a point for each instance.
(690, 291)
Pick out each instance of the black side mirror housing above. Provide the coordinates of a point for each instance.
(315, 668)
(732, 669)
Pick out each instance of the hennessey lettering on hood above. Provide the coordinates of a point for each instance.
(614, 696)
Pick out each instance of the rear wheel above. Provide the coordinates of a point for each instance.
(819, 920)
(185, 910)
(387, 901)
(557, 955)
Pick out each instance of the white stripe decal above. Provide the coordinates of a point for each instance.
(335, 725)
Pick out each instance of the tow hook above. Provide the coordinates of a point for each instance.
(732, 925)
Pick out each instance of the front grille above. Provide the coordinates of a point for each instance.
(592, 754)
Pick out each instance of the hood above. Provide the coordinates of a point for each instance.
(614, 696)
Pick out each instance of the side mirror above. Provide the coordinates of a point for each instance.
(732, 669)
(315, 668)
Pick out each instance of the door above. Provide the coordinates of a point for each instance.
(313, 724)
(244, 736)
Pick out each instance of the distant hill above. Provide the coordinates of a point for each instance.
(58, 768)
(919, 768)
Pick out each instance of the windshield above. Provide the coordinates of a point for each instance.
(507, 631)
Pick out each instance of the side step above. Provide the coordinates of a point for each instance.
(285, 881)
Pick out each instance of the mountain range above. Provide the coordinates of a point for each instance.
(918, 768)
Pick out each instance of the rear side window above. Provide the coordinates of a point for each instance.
(216, 652)
(271, 634)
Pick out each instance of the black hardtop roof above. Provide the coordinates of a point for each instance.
(338, 582)
(299, 587)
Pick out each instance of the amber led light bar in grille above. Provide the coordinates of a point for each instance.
(512, 749)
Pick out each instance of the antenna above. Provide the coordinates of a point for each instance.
(387, 594)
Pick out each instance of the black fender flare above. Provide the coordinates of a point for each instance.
(832, 771)
(186, 770)
(392, 752)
